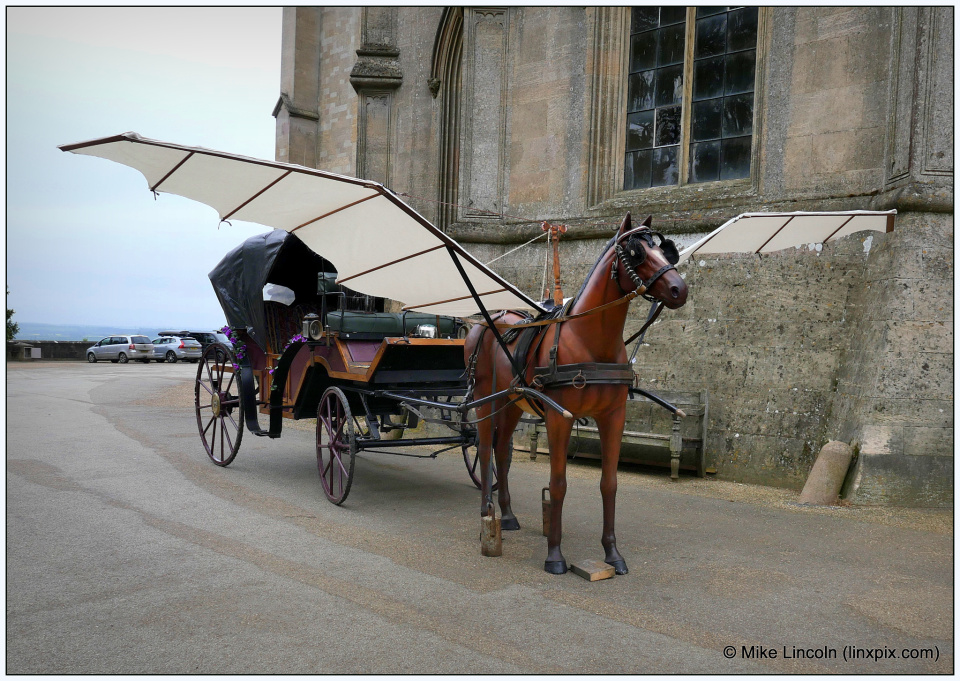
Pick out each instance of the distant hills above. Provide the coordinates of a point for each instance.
(77, 332)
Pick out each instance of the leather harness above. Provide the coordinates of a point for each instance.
(584, 373)
(578, 375)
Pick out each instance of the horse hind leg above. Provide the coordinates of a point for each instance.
(502, 446)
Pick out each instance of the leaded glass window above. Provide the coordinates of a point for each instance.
(724, 68)
(690, 120)
(654, 96)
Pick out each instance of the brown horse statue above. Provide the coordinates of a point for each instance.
(581, 363)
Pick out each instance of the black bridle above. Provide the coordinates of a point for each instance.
(634, 255)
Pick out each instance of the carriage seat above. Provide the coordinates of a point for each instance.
(283, 322)
(385, 324)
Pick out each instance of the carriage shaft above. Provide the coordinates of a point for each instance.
(464, 407)
(656, 399)
(415, 442)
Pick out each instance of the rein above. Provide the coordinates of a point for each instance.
(559, 320)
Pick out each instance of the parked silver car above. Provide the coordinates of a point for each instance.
(121, 348)
(174, 348)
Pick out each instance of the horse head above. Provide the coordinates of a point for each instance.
(647, 258)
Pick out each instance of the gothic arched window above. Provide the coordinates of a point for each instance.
(446, 84)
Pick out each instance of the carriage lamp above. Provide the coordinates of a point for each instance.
(311, 327)
(426, 331)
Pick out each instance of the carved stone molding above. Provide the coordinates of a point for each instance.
(446, 83)
(284, 103)
(484, 138)
(375, 135)
(378, 64)
(375, 76)
(606, 69)
(376, 70)
(937, 158)
(920, 122)
(902, 77)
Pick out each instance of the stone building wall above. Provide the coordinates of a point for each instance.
(834, 139)
(854, 110)
(894, 393)
(338, 103)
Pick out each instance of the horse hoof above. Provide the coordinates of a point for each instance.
(619, 566)
(555, 567)
(510, 523)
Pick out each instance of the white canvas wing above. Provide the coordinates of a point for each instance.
(769, 232)
(379, 245)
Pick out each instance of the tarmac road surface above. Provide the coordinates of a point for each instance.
(129, 552)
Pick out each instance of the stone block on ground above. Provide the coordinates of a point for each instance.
(826, 478)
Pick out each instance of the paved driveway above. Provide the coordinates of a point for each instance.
(129, 552)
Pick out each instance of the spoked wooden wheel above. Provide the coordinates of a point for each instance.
(471, 457)
(217, 400)
(336, 444)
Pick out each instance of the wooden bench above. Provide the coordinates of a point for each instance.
(652, 435)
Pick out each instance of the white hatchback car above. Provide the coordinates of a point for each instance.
(174, 348)
(121, 348)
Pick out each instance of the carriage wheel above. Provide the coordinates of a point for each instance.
(471, 457)
(336, 445)
(218, 403)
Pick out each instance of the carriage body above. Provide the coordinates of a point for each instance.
(272, 283)
(424, 366)
(305, 347)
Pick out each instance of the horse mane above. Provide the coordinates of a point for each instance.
(593, 269)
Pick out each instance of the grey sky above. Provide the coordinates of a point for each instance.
(85, 241)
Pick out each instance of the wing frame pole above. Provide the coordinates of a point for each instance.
(486, 316)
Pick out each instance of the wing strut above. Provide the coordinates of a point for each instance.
(486, 315)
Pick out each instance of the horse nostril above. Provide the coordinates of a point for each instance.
(675, 291)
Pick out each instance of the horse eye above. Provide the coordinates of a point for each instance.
(632, 252)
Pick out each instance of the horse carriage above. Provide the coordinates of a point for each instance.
(307, 345)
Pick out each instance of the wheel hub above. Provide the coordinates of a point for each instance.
(215, 403)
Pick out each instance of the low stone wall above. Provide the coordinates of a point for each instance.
(850, 341)
(75, 350)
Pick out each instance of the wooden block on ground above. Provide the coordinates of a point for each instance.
(592, 570)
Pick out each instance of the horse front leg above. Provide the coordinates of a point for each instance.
(502, 437)
(558, 435)
(610, 426)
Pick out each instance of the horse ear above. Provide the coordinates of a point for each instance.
(625, 225)
(647, 222)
